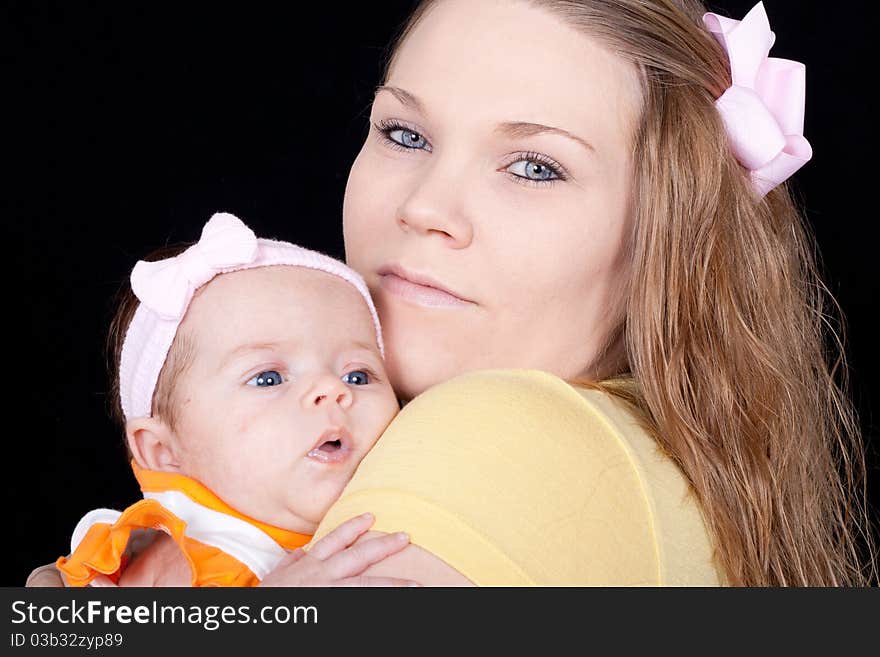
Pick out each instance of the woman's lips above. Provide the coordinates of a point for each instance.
(400, 284)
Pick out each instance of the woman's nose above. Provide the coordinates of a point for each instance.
(328, 390)
(436, 208)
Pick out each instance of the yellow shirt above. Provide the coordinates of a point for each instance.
(515, 478)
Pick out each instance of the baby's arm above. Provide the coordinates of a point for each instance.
(332, 561)
(339, 559)
(161, 564)
(45, 576)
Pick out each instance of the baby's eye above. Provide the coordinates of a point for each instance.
(357, 377)
(265, 379)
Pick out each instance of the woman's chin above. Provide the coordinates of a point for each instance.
(415, 370)
(408, 384)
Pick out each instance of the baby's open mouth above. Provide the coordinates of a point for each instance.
(333, 446)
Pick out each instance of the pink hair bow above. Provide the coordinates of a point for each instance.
(166, 286)
(763, 111)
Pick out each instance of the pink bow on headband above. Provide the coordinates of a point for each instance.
(763, 111)
(166, 286)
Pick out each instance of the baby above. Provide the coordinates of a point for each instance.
(252, 383)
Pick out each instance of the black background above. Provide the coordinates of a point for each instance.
(127, 125)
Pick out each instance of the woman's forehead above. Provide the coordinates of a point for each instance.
(490, 61)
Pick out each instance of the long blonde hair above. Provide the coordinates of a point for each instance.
(729, 332)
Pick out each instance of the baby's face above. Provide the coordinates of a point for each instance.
(285, 394)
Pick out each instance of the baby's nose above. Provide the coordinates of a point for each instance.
(329, 389)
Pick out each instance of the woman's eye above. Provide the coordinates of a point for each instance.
(408, 138)
(357, 378)
(265, 379)
(533, 170)
(400, 136)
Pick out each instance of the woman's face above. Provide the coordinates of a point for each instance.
(498, 168)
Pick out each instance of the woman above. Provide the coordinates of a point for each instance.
(548, 186)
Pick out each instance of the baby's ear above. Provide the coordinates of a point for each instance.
(153, 444)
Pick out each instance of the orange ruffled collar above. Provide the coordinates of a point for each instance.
(153, 481)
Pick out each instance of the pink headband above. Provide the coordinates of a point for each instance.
(763, 110)
(166, 287)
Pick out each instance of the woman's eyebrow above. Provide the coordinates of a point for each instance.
(403, 96)
(518, 129)
(513, 129)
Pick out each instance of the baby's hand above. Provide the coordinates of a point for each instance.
(45, 576)
(161, 563)
(333, 561)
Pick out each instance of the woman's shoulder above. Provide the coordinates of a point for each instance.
(505, 381)
(534, 423)
(528, 400)
(525, 391)
(494, 470)
(556, 439)
(534, 398)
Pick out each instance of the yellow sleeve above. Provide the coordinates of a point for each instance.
(513, 479)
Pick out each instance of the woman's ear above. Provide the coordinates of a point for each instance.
(153, 444)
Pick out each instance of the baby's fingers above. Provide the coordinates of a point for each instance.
(291, 557)
(364, 580)
(356, 559)
(341, 537)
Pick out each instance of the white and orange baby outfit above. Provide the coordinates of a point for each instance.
(223, 546)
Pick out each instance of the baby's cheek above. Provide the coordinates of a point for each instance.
(233, 483)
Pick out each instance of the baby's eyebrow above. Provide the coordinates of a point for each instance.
(246, 348)
(365, 346)
(356, 345)
(366, 351)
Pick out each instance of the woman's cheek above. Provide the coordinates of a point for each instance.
(365, 207)
(355, 212)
